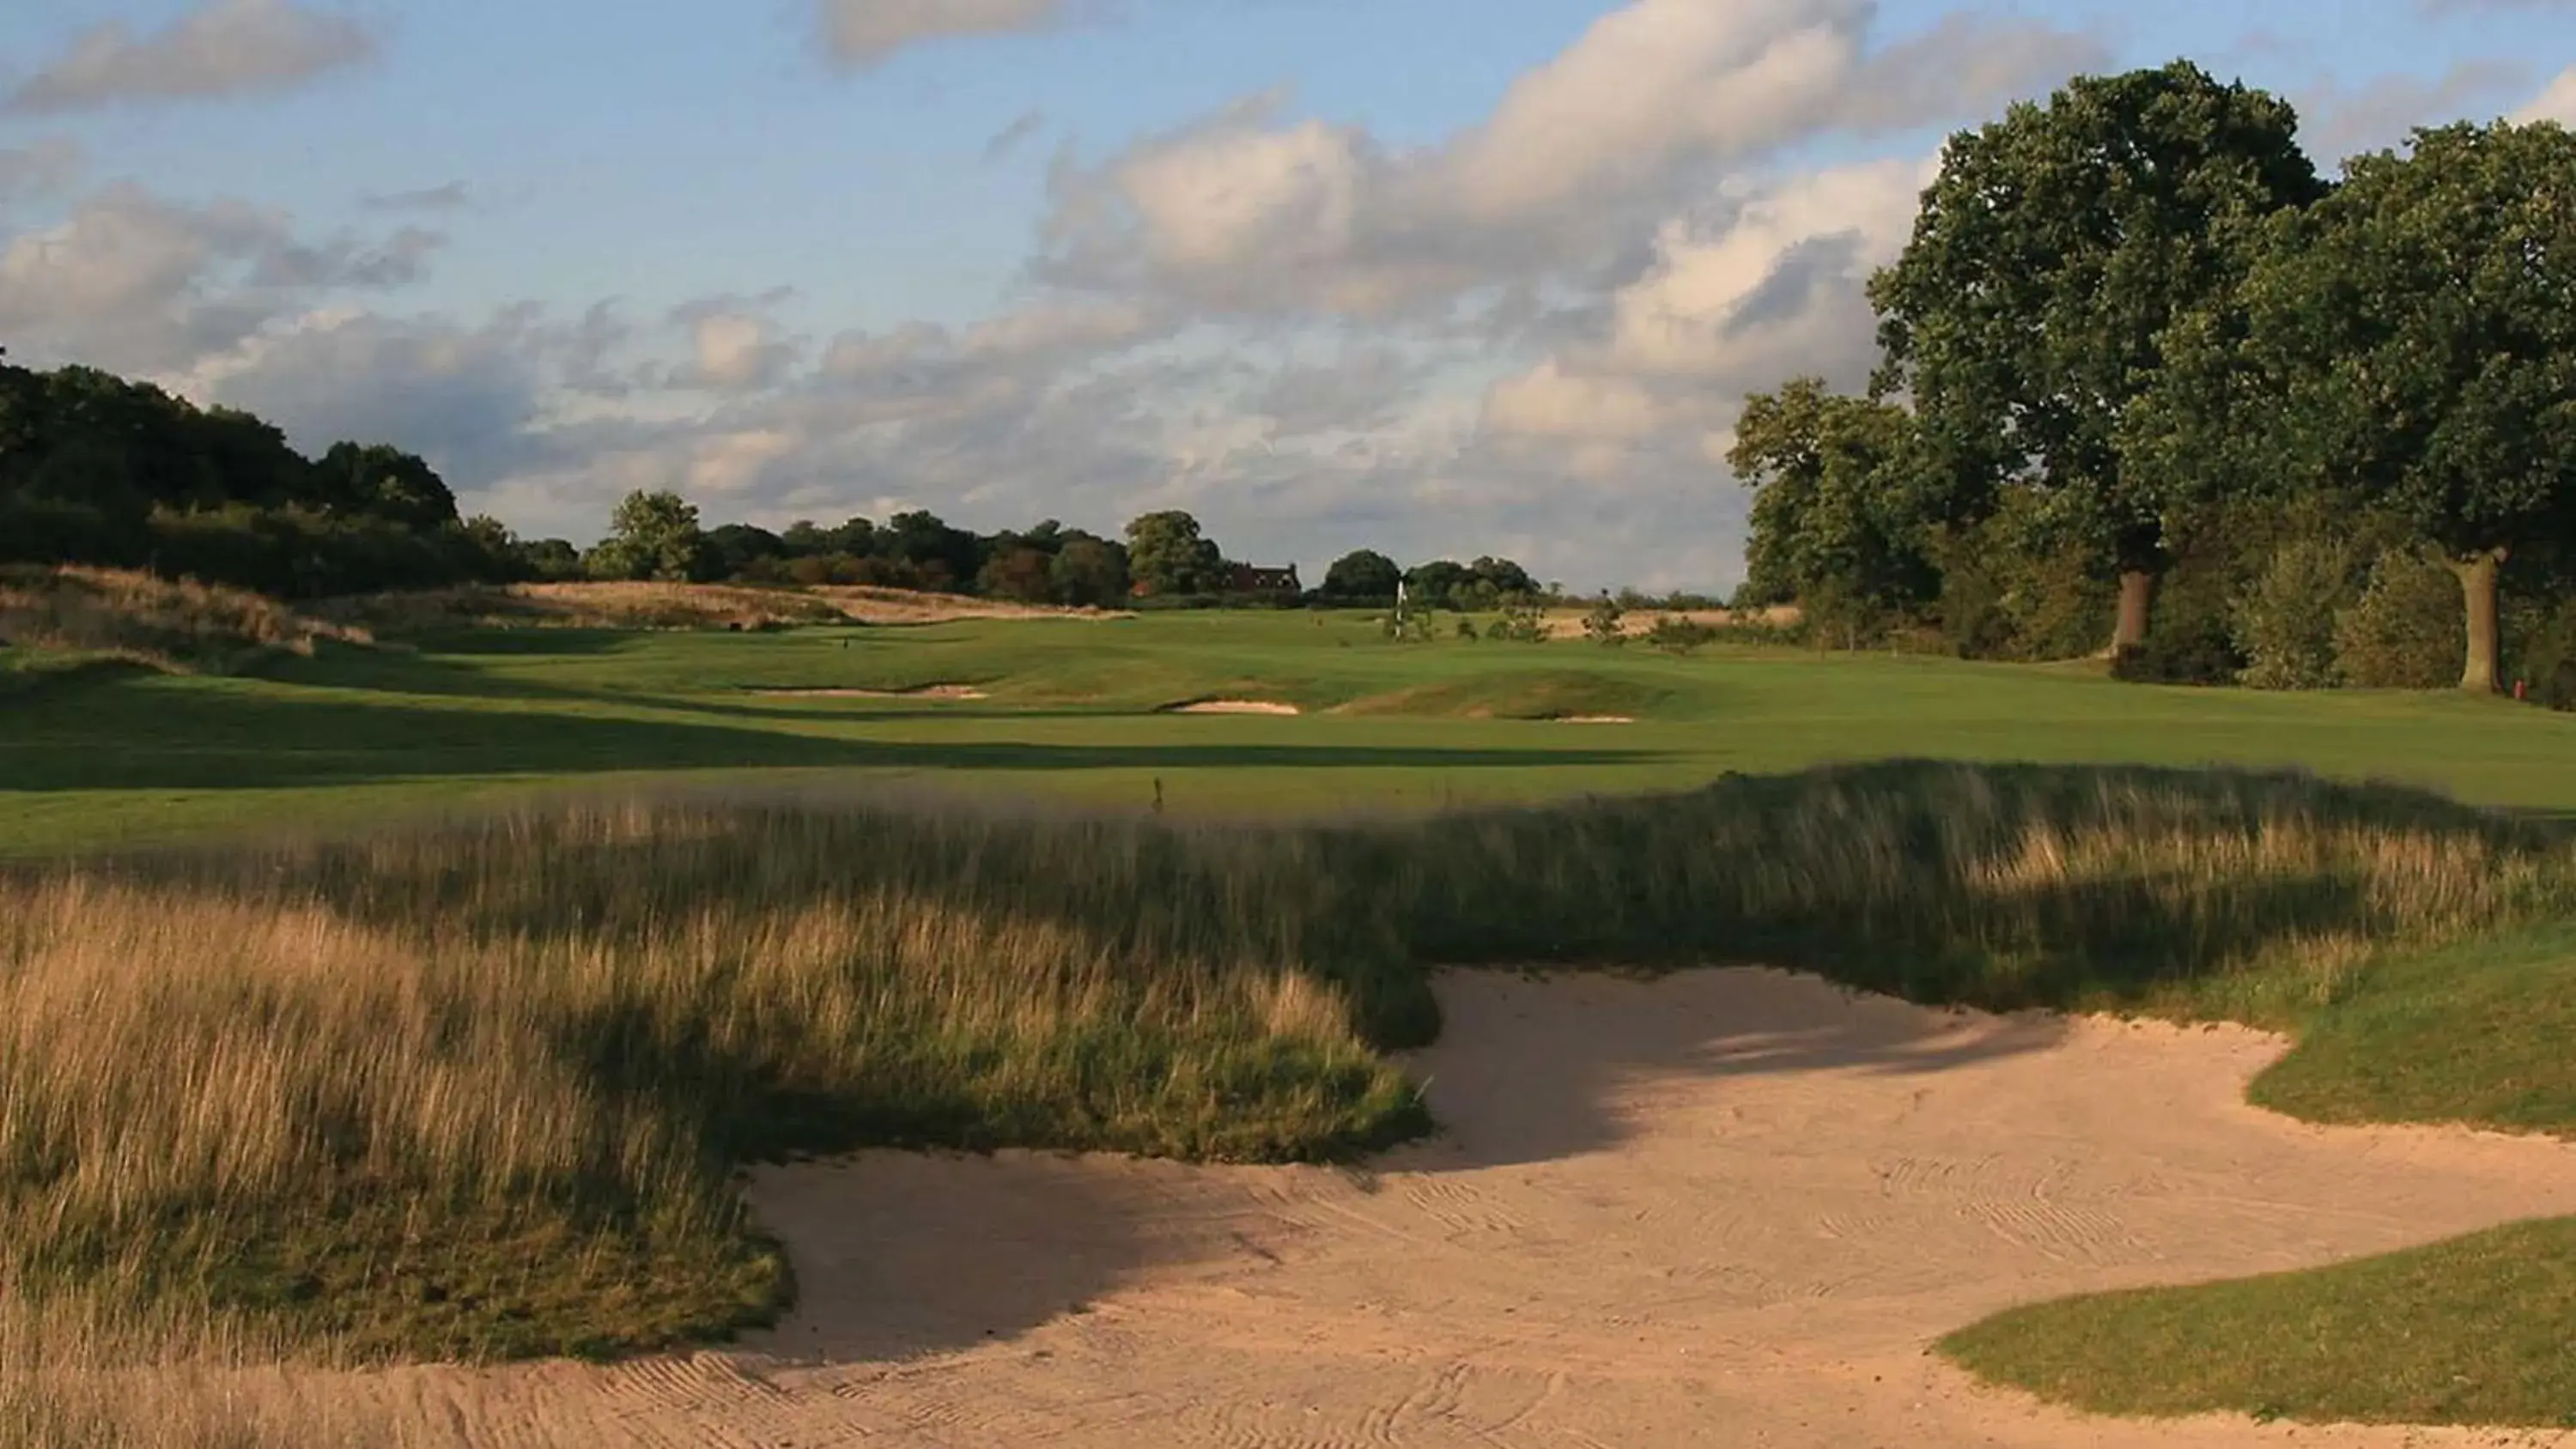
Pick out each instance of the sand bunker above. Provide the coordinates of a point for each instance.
(1595, 719)
(1232, 706)
(927, 691)
(1722, 1208)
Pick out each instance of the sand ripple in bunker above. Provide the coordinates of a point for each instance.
(1723, 1207)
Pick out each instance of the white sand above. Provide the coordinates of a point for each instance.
(1726, 1208)
(1234, 706)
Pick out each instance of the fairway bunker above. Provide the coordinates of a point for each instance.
(926, 692)
(1231, 706)
(1722, 1207)
(1593, 719)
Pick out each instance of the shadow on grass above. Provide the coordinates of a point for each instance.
(110, 738)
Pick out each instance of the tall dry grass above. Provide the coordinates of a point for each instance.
(481, 1089)
(180, 626)
(620, 605)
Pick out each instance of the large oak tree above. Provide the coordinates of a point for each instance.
(2051, 253)
(2420, 328)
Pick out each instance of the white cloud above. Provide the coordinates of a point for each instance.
(2556, 102)
(133, 281)
(736, 352)
(862, 33)
(221, 48)
(1252, 212)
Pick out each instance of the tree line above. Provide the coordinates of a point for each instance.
(99, 469)
(2148, 379)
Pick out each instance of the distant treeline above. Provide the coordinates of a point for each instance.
(2148, 378)
(98, 469)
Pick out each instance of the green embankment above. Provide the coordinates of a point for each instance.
(2473, 1331)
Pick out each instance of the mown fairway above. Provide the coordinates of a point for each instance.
(117, 757)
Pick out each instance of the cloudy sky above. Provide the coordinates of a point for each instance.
(1442, 277)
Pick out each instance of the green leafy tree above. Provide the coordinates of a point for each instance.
(1089, 572)
(1838, 514)
(2421, 324)
(2052, 252)
(386, 482)
(652, 536)
(1362, 574)
(1022, 573)
(1167, 555)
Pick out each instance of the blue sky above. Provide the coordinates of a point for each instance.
(1428, 275)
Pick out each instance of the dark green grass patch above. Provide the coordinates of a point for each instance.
(2476, 1330)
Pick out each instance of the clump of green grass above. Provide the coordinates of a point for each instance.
(2469, 1331)
(177, 626)
(481, 1089)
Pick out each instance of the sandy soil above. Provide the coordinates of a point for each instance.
(902, 606)
(1726, 1208)
(1568, 623)
(1234, 706)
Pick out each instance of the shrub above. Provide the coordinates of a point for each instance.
(2542, 636)
(2407, 630)
(2190, 640)
(1606, 623)
(1521, 623)
(1679, 635)
(2285, 625)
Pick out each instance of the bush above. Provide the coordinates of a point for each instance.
(1678, 635)
(2408, 630)
(1521, 623)
(2190, 639)
(2285, 625)
(2542, 652)
(1605, 624)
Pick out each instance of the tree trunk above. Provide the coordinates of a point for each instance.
(2137, 601)
(2478, 591)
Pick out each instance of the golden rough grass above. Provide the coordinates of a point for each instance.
(176, 625)
(480, 1090)
(614, 605)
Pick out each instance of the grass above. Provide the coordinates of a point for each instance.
(2471, 1331)
(486, 718)
(477, 1083)
(479, 1090)
(74, 615)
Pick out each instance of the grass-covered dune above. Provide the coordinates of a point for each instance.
(481, 1089)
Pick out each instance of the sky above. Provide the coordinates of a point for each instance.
(1437, 277)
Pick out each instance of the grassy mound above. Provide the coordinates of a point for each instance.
(2473, 1331)
(179, 627)
(584, 606)
(1533, 694)
(2470, 1331)
(480, 1089)
(611, 605)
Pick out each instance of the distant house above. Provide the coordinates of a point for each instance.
(1254, 579)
